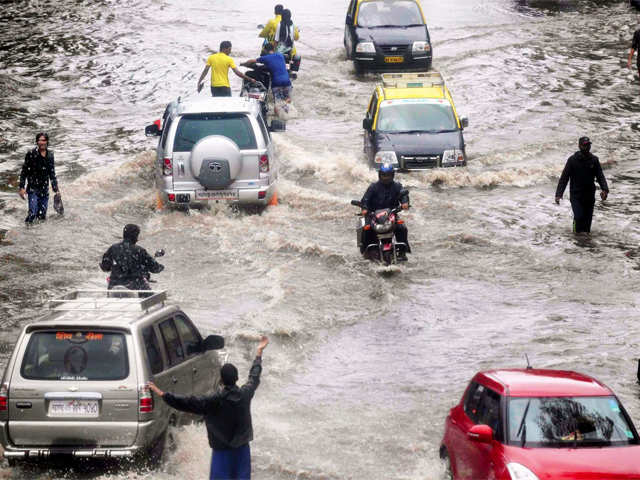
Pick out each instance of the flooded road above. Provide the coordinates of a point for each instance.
(362, 368)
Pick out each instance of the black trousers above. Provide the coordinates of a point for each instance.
(402, 235)
(220, 91)
(582, 214)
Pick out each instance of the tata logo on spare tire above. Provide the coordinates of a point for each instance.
(215, 166)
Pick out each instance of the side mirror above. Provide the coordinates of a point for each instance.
(367, 123)
(153, 130)
(159, 253)
(349, 20)
(356, 203)
(481, 434)
(277, 126)
(404, 192)
(260, 27)
(464, 121)
(213, 342)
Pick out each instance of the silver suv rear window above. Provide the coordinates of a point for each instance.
(193, 128)
(76, 355)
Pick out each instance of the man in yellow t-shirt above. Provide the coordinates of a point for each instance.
(269, 30)
(220, 63)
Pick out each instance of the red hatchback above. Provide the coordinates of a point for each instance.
(531, 424)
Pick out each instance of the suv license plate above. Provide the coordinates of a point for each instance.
(73, 408)
(393, 59)
(217, 194)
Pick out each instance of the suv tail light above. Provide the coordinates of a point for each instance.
(167, 167)
(145, 399)
(4, 397)
(264, 163)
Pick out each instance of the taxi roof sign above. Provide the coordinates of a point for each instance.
(412, 80)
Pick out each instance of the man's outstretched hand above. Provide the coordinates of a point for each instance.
(264, 341)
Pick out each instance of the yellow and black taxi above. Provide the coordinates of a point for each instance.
(412, 123)
(387, 35)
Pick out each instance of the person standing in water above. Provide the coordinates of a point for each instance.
(582, 168)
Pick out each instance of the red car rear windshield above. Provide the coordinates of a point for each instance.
(76, 355)
(570, 422)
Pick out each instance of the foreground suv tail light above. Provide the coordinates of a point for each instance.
(4, 396)
(145, 400)
(264, 163)
(167, 167)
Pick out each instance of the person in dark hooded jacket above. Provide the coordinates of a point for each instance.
(129, 263)
(581, 169)
(227, 415)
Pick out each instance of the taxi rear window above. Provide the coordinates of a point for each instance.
(76, 355)
(193, 128)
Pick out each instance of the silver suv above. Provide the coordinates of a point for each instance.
(75, 383)
(214, 150)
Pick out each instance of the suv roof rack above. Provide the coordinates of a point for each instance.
(118, 300)
(413, 80)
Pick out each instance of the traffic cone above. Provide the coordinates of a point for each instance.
(159, 202)
(274, 199)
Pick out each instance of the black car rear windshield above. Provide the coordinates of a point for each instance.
(193, 128)
(76, 355)
(382, 13)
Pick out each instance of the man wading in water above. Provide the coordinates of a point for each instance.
(227, 414)
(36, 172)
(582, 168)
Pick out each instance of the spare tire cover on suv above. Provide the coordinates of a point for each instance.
(215, 161)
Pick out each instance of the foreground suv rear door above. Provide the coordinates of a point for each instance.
(74, 388)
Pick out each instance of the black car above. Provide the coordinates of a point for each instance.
(412, 124)
(387, 35)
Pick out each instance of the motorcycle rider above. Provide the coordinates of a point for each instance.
(277, 66)
(129, 263)
(385, 193)
(286, 34)
(269, 30)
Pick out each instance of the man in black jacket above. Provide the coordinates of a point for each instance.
(37, 169)
(582, 168)
(129, 263)
(385, 193)
(227, 414)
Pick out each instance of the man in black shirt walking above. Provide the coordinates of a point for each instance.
(582, 168)
(635, 46)
(36, 172)
(227, 415)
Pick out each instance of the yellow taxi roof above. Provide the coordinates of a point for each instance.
(392, 93)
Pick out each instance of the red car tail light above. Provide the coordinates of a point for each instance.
(145, 400)
(4, 397)
(263, 163)
(167, 167)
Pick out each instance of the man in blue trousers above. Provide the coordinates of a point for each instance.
(37, 170)
(227, 414)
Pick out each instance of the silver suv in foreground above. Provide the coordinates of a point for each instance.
(75, 383)
(214, 150)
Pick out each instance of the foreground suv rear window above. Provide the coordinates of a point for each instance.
(193, 128)
(76, 355)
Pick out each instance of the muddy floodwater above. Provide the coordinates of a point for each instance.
(363, 367)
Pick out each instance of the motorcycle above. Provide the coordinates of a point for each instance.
(274, 110)
(141, 286)
(383, 223)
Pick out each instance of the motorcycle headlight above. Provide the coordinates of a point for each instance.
(420, 47)
(383, 227)
(520, 472)
(365, 47)
(452, 157)
(388, 156)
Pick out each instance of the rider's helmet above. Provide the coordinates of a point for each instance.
(386, 173)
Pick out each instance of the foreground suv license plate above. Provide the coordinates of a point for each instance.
(393, 59)
(217, 194)
(73, 408)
